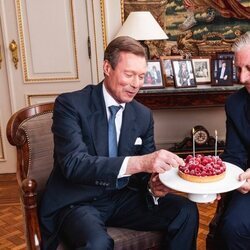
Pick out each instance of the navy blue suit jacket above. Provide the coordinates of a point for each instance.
(82, 169)
(237, 150)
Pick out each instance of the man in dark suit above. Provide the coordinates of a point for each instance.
(234, 231)
(224, 73)
(89, 189)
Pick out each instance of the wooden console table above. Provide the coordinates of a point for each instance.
(202, 96)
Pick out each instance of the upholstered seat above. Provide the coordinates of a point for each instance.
(29, 130)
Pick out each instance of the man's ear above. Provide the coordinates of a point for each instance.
(106, 67)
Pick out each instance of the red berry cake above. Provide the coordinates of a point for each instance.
(202, 168)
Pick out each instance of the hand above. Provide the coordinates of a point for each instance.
(156, 162)
(245, 188)
(218, 197)
(156, 186)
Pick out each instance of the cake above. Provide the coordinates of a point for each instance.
(202, 169)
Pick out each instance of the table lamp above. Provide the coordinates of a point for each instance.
(141, 25)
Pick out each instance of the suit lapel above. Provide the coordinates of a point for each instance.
(247, 125)
(244, 118)
(98, 122)
(99, 126)
(128, 131)
(248, 108)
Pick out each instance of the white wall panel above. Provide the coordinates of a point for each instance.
(47, 33)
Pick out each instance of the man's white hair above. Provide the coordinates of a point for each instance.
(243, 41)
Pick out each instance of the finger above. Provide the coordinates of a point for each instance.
(218, 197)
(242, 190)
(176, 161)
(244, 175)
(159, 185)
(154, 177)
(245, 188)
(163, 168)
(161, 189)
(171, 158)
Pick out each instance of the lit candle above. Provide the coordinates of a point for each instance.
(193, 143)
(216, 140)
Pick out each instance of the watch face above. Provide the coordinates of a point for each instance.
(200, 137)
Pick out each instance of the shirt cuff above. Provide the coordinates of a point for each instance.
(123, 168)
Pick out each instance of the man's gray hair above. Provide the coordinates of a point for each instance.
(243, 41)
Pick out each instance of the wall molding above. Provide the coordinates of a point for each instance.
(40, 98)
(24, 54)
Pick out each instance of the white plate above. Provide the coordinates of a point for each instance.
(230, 182)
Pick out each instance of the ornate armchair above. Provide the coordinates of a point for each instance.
(29, 130)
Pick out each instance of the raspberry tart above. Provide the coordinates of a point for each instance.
(202, 169)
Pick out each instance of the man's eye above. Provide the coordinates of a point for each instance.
(141, 77)
(129, 75)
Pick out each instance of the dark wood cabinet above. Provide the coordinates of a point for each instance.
(202, 96)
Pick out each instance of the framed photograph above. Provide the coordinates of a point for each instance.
(167, 69)
(202, 69)
(153, 77)
(222, 72)
(229, 55)
(183, 73)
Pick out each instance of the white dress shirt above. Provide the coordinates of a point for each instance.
(109, 101)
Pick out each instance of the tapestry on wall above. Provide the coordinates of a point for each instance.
(195, 25)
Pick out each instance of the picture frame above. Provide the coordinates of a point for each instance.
(183, 73)
(202, 69)
(222, 72)
(229, 55)
(153, 77)
(167, 69)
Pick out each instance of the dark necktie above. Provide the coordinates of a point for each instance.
(112, 131)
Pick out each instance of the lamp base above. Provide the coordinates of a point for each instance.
(145, 46)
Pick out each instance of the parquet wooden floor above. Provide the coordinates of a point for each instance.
(11, 225)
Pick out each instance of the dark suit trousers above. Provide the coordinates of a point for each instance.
(85, 226)
(234, 230)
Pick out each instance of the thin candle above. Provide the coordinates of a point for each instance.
(193, 143)
(216, 141)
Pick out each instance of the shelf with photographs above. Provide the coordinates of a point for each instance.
(201, 96)
(189, 72)
(195, 82)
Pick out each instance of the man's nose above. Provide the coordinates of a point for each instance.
(136, 82)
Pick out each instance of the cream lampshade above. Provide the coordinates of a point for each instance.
(141, 25)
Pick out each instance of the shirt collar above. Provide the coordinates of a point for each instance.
(109, 100)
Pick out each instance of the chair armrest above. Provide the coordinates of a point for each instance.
(29, 203)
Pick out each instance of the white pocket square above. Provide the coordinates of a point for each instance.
(138, 141)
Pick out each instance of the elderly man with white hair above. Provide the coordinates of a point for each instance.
(234, 230)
